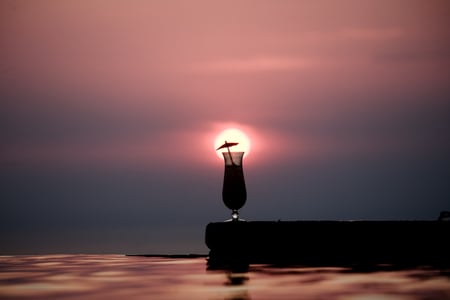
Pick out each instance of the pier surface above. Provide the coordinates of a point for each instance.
(329, 242)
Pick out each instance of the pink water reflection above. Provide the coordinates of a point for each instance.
(124, 277)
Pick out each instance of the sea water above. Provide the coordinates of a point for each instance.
(137, 277)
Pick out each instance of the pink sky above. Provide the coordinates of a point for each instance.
(343, 100)
(194, 64)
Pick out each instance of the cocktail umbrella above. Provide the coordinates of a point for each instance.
(228, 145)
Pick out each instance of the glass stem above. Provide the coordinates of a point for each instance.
(235, 215)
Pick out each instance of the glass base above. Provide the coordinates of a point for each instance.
(234, 217)
(235, 220)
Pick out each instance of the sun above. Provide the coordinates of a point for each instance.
(232, 135)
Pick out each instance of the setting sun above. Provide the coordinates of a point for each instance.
(232, 135)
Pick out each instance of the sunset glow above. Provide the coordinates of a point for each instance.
(112, 111)
(233, 135)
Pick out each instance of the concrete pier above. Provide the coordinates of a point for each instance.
(328, 243)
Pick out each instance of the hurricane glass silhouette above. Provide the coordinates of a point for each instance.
(234, 193)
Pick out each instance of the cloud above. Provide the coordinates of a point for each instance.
(257, 64)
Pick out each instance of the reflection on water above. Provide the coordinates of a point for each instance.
(119, 277)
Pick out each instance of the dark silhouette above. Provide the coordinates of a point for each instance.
(235, 245)
(227, 145)
(234, 192)
(444, 216)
